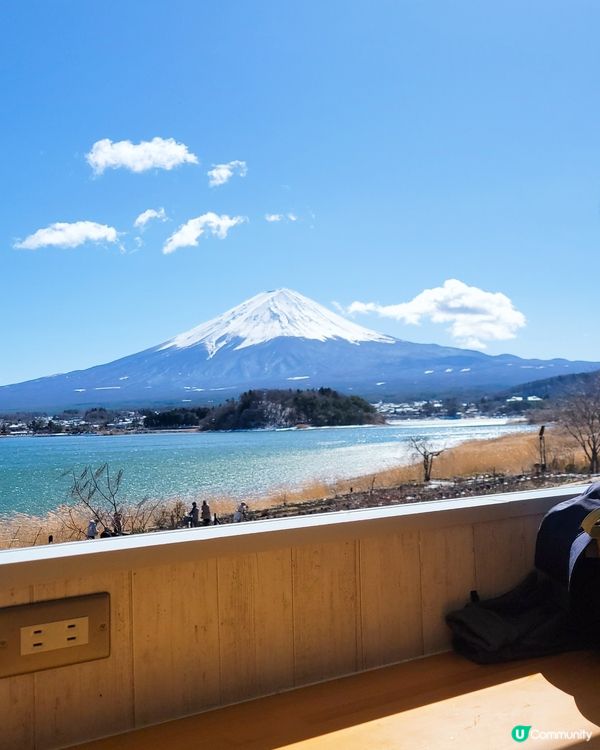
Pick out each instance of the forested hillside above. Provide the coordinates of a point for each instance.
(257, 409)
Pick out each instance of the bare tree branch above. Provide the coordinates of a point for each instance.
(96, 491)
(423, 448)
(579, 414)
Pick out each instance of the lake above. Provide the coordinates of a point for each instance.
(241, 465)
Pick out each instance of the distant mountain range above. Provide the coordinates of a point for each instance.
(555, 388)
(281, 339)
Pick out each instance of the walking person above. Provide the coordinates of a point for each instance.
(240, 514)
(195, 515)
(205, 513)
(92, 529)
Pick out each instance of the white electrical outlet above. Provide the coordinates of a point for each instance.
(50, 636)
(55, 633)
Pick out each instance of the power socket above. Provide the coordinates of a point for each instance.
(50, 636)
(54, 633)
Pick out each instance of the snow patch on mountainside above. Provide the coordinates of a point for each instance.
(270, 315)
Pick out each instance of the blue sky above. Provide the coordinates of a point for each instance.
(413, 142)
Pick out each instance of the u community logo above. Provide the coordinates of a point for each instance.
(522, 732)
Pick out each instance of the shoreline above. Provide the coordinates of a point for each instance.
(473, 467)
(425, 422)
(317, 471)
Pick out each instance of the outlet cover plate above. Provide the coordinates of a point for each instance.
(92, 608)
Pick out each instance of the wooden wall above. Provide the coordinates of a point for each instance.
(190, 636)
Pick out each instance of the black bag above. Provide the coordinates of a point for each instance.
(564, 552)
(531, 620)
(560, 540)
(556, 608)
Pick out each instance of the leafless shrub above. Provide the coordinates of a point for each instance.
(96, 491)
(422, 447)
(580, 416)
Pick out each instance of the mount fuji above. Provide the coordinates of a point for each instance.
(281, 339)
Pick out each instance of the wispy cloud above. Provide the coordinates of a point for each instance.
(222, 173)
(280, 217)
(189, 233)
(475, 315)
(148, 215)
(159, 153)
(63, 234)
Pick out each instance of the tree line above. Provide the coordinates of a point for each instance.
(256, 409)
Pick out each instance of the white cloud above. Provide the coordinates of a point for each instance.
(159, 153)
(148, 215)
(474, 314)
(222, 173)
(63, 234)
(280, 217)
(189, 233)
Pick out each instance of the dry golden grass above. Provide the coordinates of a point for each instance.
(23, 530)
(511, 454)
(500, 456)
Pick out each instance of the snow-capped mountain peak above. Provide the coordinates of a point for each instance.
(301, 344)
(269, 315)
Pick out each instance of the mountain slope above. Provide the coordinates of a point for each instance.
(281, 339)
(554, 388)
(270, 315)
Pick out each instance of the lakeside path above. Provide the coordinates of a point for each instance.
(415, 492)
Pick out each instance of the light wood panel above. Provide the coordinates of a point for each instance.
(390, 591)
(238, 587)
(96, 698)
(325, 611)
(504, 553)
(447, 577)
(255, 624)
(274, 628)
(176, 640)
(192, 635)
(442, 702)
(16, 693)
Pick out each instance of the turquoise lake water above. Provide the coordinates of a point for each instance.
(234, 464)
